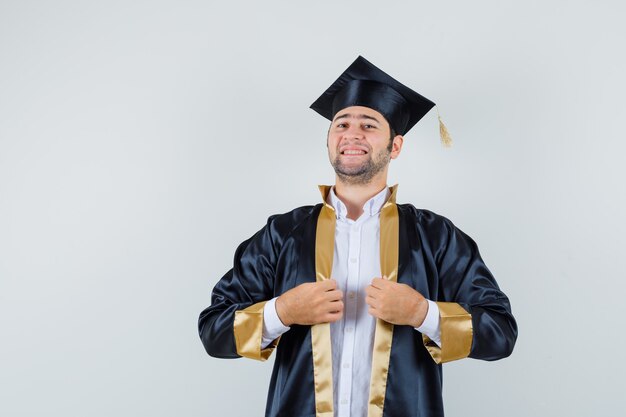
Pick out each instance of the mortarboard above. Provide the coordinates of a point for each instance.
(364, 84)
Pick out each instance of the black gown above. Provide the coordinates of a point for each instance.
(433, 256)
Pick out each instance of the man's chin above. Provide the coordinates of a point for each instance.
(354, 178)
(350, 173)
(351, 169)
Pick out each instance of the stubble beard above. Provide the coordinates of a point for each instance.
(364, 173)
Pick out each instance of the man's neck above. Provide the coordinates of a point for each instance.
(355, 196)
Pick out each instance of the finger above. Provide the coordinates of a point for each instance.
(329, 284)
(325, 285)
(370, 301)
(333, 317)
(379, 283)
(333, 295)
(373, 312)
(371, 290)
(336, 307)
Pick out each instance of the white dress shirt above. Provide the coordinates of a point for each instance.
(356, 262)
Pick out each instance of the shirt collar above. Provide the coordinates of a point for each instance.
(371, 207)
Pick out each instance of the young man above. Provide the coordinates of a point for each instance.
(365, 298)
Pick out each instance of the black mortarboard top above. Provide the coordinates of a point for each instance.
(364, 84)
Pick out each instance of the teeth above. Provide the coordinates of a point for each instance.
(353, 152)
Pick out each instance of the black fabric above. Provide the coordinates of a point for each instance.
(364, 84)
(436, 258)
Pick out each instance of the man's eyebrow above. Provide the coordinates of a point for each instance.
(359, 116)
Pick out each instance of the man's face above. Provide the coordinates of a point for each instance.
(360, 144)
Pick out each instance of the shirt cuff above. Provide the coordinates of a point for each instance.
(272, 326)
(431, 326)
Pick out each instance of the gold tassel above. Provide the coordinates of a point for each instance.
(446, 139)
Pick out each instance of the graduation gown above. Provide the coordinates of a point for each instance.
(418, 248)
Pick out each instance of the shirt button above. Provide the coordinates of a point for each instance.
(353, 260)
(346, 365)
(349, 329)
(351, 295)
(344, 401)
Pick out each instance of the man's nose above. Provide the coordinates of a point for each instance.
(354, 133)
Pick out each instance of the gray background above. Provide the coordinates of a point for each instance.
(141, 141)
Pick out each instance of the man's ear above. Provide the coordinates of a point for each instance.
(328, 134)
(396, 146)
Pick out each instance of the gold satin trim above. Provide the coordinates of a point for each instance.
(320, 333)
(248, 331)
(389, 254)
(456, 334)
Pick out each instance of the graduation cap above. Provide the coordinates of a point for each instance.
(364, 84)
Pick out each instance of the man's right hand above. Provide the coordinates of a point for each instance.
(311, 303)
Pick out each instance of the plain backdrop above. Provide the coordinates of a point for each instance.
(142, 141)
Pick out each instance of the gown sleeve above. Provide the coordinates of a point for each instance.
(232, 326)
(476, 317)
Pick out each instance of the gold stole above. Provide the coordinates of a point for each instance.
(320, 333)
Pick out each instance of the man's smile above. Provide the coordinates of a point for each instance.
(352, 150)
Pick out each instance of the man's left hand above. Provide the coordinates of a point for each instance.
(396, 303)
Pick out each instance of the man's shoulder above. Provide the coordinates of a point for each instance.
(432, 226)
(296, 214)
(420, 214)
(428, 221)
(288, 221)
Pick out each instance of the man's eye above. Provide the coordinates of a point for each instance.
(341, 125)
(369, 126)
